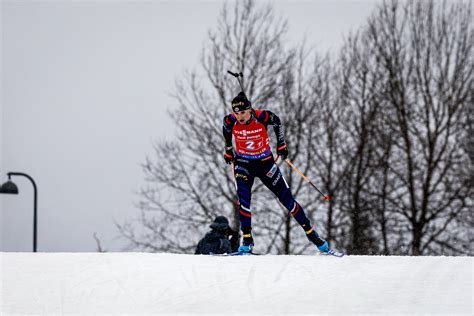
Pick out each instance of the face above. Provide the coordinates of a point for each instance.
(243, 116)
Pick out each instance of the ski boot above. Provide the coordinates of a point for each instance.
(321, 244)
(247, 244)
(324, 247)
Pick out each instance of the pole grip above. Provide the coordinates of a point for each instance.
(233, 73)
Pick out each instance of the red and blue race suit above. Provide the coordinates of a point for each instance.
(254, 159)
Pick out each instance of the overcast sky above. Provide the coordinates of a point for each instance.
(84, 95)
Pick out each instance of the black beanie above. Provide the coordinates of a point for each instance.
(241, 103)
(220, 223)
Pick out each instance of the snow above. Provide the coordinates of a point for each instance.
(147, 283)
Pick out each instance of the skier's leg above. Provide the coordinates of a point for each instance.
(244, 179)
(274, 180)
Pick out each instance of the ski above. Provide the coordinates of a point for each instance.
(238, 253)
(333, 253)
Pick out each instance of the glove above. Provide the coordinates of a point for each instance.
(232, 233)
(234, 239)
(229, 156)
(282, 151)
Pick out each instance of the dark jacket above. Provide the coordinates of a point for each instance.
(217, 242)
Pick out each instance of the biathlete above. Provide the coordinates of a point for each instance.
(253, 158)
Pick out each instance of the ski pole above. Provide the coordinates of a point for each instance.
(326, 198)
(235, 183)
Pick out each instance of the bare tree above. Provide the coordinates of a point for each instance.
(188, 181)
(99, 244)
(305, 94)
(425, 49)
(385, 128)
(401, 98)
(361, 83)
(327, 162)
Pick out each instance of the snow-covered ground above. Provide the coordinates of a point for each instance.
(144, 283)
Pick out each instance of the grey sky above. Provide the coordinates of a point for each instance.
(84, 95)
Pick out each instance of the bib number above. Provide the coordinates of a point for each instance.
(251, 145)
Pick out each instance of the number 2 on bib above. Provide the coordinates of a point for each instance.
(250, 144)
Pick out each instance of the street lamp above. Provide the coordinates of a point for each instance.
(10, 188)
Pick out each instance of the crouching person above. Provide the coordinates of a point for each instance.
(221, 239)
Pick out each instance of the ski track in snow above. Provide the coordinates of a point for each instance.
(144, 283)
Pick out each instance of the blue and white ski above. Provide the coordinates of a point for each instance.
(332, 252)
(238, 253)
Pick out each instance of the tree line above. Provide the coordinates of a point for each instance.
(383, 126)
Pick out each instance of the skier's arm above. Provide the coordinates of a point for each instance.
(227, 126)
(274, 120)
(271, 118)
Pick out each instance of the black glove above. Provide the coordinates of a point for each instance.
(231, 232)
(229, 156)
(282, 151)
(234, 239)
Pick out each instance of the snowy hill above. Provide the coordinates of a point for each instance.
(143, 283)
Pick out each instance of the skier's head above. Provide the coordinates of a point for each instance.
(242, 108)
(220, 223)
(241, 103)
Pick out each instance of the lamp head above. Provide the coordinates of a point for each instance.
(9, 188)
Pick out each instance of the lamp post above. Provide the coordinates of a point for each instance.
(10, 187)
